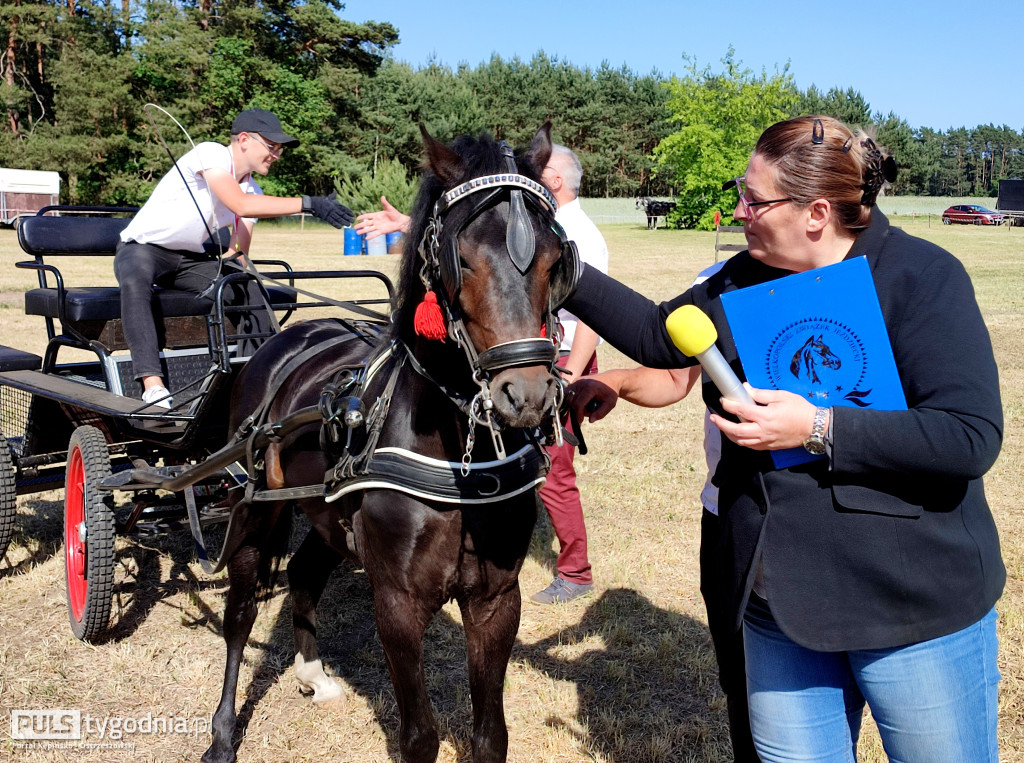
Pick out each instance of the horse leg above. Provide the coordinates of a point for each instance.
(308, 572)
(491, 626)
(401, 623)
(239, 616)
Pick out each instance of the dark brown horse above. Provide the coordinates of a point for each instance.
(431, 510)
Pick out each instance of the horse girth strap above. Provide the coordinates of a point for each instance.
(352, 464)
(250, 427)
(445, 481)
(259, 414)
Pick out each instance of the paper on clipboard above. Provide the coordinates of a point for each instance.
(820, 334)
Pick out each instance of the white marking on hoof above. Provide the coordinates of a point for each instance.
(313, 679)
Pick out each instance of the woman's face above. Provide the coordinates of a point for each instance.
(776, 233)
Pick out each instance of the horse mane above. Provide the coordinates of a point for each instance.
(479, 156)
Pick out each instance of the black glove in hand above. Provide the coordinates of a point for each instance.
(327, 208)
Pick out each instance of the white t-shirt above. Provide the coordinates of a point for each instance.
(712, 435)
(170, 218)
(593, 251)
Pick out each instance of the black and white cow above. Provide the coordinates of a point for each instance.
(654, 209)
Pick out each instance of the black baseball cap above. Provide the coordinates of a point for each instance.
(266, 124)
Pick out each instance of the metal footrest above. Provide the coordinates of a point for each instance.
(148, 478)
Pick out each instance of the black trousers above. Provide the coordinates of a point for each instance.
(140, 267)
(728, 642)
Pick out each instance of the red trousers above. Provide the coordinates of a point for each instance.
(562, 500)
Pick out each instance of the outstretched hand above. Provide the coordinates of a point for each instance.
(591, 400)
(779, 420)
(387, 220)
(328, 209)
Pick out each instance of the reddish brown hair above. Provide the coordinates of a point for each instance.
(818, 157)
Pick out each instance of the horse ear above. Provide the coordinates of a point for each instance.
(539, 152)
(441, 160)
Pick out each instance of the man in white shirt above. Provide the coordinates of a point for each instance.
(560, 494)
(210, 188)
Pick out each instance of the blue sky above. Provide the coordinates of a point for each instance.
(938, 64)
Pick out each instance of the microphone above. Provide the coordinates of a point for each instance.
(694, 334)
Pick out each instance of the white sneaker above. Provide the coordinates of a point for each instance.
(158, 397)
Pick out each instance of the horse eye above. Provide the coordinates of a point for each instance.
(463, 264)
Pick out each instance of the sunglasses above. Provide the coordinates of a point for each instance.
(274, 148)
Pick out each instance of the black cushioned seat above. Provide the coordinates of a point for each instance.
(92, 303)
(42, 236)
(18, 360)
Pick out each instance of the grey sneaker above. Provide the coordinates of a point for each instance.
(561, 590)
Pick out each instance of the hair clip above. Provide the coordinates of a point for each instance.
(818, 133)
(848, 145)
(889, 169)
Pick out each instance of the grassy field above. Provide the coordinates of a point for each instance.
(625, 675)
(624, 211)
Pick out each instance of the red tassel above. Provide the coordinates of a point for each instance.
(429, 321)
(543, 330)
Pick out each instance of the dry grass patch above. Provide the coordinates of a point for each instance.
(627, 674)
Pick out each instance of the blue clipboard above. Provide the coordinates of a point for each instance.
(820, 334)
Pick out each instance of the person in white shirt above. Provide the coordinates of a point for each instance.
(168, 241)
(560, 494)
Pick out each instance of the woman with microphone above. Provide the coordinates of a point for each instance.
(868, 576)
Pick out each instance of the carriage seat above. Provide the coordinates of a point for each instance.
(18, 360)
(103, 303)
(94, 312)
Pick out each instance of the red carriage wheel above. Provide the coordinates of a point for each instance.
(88, 534)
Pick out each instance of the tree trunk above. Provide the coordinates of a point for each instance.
(9, 62)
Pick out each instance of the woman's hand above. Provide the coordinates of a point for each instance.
(388, 220)
(781, 420)
(591, 399)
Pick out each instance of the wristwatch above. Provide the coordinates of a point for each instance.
(815, 443)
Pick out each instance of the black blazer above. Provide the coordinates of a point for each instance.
(892, 542)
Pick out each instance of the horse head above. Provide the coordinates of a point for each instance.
(812, 353)
(485, 242)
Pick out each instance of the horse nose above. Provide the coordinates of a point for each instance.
(523, 396)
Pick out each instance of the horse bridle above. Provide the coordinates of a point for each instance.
(438, 249)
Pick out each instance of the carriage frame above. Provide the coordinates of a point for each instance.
(82, 425)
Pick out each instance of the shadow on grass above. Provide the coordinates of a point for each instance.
(648, 692)
(644, 676)
(140, 584)
(40, 528)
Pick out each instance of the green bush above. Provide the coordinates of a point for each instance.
(362, 191)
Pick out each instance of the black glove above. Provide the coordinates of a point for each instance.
(327, 208)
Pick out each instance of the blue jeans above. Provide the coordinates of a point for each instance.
(933, 702)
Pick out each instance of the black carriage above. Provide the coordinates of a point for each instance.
(80, 424)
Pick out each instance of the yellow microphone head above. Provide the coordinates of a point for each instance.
(691, 330)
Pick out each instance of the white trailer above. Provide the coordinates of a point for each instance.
(25, 192)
